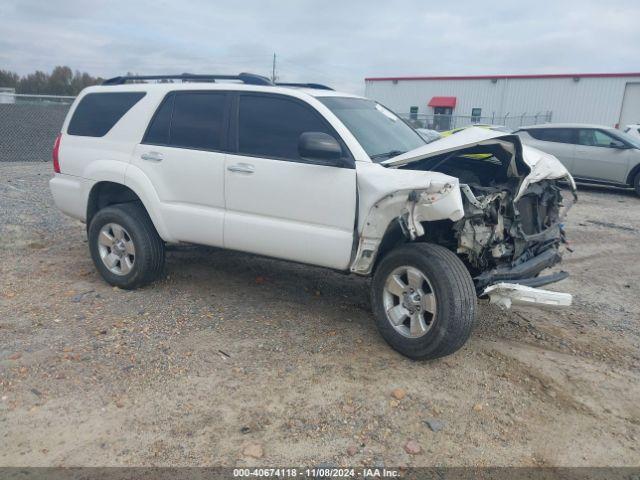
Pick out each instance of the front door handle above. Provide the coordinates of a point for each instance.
(152, 156)
(241, 168)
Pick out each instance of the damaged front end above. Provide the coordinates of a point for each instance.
(503, 240)
(512, 227)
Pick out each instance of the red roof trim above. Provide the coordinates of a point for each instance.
(449, 102)
(489, 77)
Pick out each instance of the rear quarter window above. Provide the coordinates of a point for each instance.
(97, 113)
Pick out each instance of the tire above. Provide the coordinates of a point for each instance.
(137, 266)
(449, 325)
(636, 183)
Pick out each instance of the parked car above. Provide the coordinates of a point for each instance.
(495, 128)
(314, 176)
(633, 130)
(488, 126)
(592, 153)
(428, 135)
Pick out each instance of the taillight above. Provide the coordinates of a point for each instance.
(56, 156)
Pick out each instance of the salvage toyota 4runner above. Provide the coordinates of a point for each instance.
(307, 174)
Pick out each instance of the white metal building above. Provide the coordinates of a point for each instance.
(7, 95)
(601, 98)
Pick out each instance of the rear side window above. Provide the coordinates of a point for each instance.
(193, 120)
(97, 113)
(558, 135)
(270, 126)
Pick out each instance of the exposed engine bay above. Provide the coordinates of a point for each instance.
(506, 233)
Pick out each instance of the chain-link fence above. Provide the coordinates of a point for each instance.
(449, 122)
(29, 125)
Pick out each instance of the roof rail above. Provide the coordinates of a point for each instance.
(248, 78)
(317, 86)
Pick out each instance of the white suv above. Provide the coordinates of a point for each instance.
(307, 174)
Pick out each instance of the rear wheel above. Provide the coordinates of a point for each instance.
(424, 300)
(125, 247)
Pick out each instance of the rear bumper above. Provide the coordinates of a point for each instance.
(70, 194)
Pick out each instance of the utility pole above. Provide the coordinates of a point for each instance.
(273, 69)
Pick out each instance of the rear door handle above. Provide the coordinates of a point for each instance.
(241, 168)
(152, 156)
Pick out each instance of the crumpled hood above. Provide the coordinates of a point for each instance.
(542, 166)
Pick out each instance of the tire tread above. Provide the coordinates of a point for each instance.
(458, 294)
(150, 262)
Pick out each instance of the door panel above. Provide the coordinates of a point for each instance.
(594, 159)
(278, 203)
(601, 163)
(190, 186)
(181, 155)
(290, 210)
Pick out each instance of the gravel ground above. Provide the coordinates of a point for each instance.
(233, 359)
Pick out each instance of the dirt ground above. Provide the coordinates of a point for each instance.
(232, 355)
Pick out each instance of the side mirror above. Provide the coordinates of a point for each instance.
(320, 147)
(618, 144)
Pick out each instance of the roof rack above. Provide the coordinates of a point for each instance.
(317, 86)
(248, 78)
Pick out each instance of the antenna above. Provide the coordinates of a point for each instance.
(273, 69)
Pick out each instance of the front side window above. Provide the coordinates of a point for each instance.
(270, 126)
(97, 113)
(194, 120)
(594, 138)
(381, 133)
(557, 135)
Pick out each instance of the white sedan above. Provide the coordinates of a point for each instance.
(633, 130)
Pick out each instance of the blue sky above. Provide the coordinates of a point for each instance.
(336, 42)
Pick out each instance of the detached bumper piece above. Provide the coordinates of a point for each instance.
(524, 273)
(507, 294)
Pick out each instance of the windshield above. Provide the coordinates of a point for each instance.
(627, 138)
(381, 132)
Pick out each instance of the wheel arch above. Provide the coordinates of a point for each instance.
(632, 174)
(106, 192)
(439, 232)
(393, 237)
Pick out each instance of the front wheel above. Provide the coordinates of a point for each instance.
(424, 301)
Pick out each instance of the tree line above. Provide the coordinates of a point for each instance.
(61, 81)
